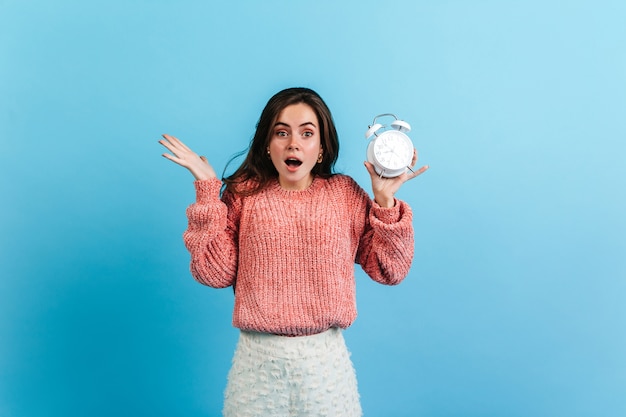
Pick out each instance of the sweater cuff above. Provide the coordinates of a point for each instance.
(388, 215)
(207, 190)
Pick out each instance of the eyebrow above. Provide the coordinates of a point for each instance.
(286, 125)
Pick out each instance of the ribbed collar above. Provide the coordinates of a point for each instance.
(311, 190)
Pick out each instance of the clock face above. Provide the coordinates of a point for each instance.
(393, 150)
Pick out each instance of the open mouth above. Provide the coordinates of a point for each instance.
(293, 162)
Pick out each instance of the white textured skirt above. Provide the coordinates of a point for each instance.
(283, 376)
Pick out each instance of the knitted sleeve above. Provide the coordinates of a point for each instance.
(211, 235)
(386, 245)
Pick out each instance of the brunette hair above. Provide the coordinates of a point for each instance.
(257, 167)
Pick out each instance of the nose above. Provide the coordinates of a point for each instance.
(293, 144)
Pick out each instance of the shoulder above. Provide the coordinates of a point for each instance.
(241, 188)
(346, 186)
(341, 180)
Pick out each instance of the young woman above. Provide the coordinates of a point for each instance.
(285, 233)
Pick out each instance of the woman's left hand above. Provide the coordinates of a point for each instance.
(384, 189)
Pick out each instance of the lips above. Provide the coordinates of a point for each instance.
(293, 162)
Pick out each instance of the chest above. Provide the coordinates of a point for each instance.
(314, 221)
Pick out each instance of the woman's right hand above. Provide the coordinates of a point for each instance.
(185, 157)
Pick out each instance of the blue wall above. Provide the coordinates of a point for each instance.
(515, 303)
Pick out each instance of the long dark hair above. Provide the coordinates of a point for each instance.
(258, 167)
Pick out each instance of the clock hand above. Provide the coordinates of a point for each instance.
(396, 154)
(393, 152)
(384, 142)
(388, 147)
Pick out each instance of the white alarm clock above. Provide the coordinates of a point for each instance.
(390, 151)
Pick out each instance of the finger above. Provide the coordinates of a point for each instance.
(170, 147)
(166, 143)
(176, 160)
(414, 159)
(170, 157)
(169, 138)
(419, 171)
(175, 141)
(370, 168)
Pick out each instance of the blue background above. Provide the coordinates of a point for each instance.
(515, 303)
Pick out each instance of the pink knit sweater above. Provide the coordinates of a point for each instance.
(292, 253)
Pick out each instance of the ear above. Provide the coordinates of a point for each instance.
(401, 125)
(372, 130)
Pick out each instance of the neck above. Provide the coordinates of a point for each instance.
(297, 186)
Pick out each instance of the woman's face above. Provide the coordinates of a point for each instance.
(295, 146)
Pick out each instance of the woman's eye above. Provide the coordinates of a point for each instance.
(281, 133)
(307, 134)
